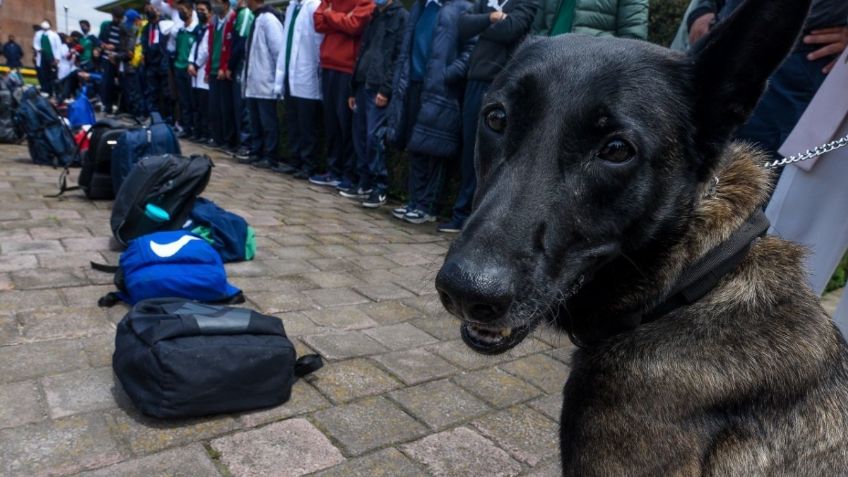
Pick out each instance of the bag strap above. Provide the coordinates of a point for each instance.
(102, 267)
(307, 364)
(109, 300)
(63, 185)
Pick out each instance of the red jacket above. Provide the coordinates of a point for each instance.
(342, 27)
(226, 45)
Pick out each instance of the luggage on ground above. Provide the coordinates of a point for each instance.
(9, 132)
(137, 143)
(158, 194)
(49, 140)
(229, 233)
(80, 112)
(176, 358)
(176, 264)
(95, 177)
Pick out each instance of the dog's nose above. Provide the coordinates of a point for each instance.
(476, 292)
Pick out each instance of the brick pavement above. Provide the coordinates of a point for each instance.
(400, 394)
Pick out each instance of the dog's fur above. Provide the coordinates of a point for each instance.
(750, 380)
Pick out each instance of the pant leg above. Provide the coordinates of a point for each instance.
(431, 183)
(201, 99)
(474, 93)
(308, 111)
(359, 136)
(242, 119)
(47, 74)
(332, 128)
(411, 108)
(268, 123)
(228, 130)
(378, 176)
(183, 80)
(252, 106)
(107, 85)
(151, 89)
(344, 117)
(790, 90)
(216, 125)
(293, 125)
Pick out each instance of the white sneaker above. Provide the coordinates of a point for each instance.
(418, 217)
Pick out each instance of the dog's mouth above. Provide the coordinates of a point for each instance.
(491, 340)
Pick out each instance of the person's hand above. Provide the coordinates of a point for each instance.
(228, 75)
(109, 46)
(381, 101)
(700, 27)
(192, 71)
(834, 39)
(496, 16)
(221, 75)
(351, 103)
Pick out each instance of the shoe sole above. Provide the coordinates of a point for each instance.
(373, 206)
(348, 195)
(419, 221)
(398, 216)
(325, 184)
(449, 231)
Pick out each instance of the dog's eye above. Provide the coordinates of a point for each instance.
(496, 120)
(616, 150)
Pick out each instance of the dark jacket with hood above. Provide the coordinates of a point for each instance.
(498, 40)
(438, 124)
(379, 50)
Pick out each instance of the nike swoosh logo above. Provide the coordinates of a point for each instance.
(166, 250)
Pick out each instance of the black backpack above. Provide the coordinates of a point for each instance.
(177, 358)
(168, 184)
(95, 177)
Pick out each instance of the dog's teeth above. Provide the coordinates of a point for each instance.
(506, 332)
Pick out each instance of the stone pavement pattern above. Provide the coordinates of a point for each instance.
(400, 394)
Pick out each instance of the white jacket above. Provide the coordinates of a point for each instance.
(262, 56)
(55, 44)
(67, 62)
(171, 29)
(199, 56)
(304, 73)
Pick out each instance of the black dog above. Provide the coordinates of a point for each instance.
(611, 204)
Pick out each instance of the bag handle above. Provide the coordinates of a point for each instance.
(156, 118)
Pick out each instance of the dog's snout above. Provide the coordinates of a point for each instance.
(475, 292)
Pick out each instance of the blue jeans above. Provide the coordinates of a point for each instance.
(790, 90)
(474, 93)
(370, 150)
(265, 128)
(242, 121)
(335, 89)
(426, 173)
(132, 86)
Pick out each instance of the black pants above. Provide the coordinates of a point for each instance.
(200, 98)
(221, 114)
(46, 71)
(338, 125)
(426, 173)
(157, 91)
(264, 128)
(242, 118)
(474, 93)
(302, 127)
(107, 84)
(185, 99)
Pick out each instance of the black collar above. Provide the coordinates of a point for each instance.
(702, 276)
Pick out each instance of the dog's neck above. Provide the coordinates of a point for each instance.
(625, 290)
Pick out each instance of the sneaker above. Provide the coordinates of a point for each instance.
(357, 193)
(399, 212)
(283, 168)
(375, 200)
(242, 153)
(418, 217)
(302, 175)
(264, 164)
(250, 159)
(325, 180)
(452, 227)
(211, 143)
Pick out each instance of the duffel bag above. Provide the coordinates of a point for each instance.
(177, 358)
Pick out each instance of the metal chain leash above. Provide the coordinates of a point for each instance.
(809, 153)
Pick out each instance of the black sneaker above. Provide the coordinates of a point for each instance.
(250, 159)
(375, 200)
(264, 164)
(452, 227)
(284, 168)
(302, 175)
(242, 153)
(357, 193)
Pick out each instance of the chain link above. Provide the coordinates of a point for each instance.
(809, 153)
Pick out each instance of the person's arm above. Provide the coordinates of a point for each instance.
(352, 23)
(631, 20)
(515, 26)
(458, 69)
(274, 37)
(318, 18)
(163, 7)
(475, 21)
(227, 45)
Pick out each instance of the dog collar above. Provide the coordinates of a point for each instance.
(701, 277)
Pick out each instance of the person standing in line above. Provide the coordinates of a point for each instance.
(221, 113)
(49, 47)
(13, 53)
(114, 39)
(371, 91)
(154, 46)
(501, 26)
(88, 42)
(185, 39)
(132, 82)
(342, 23)
(198, 72)
(298, 79)
(433, 62)
(262, 54)
(244, 23)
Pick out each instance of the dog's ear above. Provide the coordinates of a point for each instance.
(732, 63)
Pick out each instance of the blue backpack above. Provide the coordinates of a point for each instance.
(80, 112)
(134, 144)
(49, 140)
(228, 233)
(173, 264)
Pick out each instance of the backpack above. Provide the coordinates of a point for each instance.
(176, 358)
(80, 112)
(158, 194)
(174, 264)
(9, 132)
(227, 232)
(95, 178)
(49, 140)
(136, 143)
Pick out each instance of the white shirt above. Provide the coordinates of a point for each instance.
(67, 63)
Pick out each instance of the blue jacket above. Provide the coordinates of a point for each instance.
(438, 125)
(13, 53)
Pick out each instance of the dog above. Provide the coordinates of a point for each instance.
(607, 180)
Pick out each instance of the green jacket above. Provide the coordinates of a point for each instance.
(622, 18)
